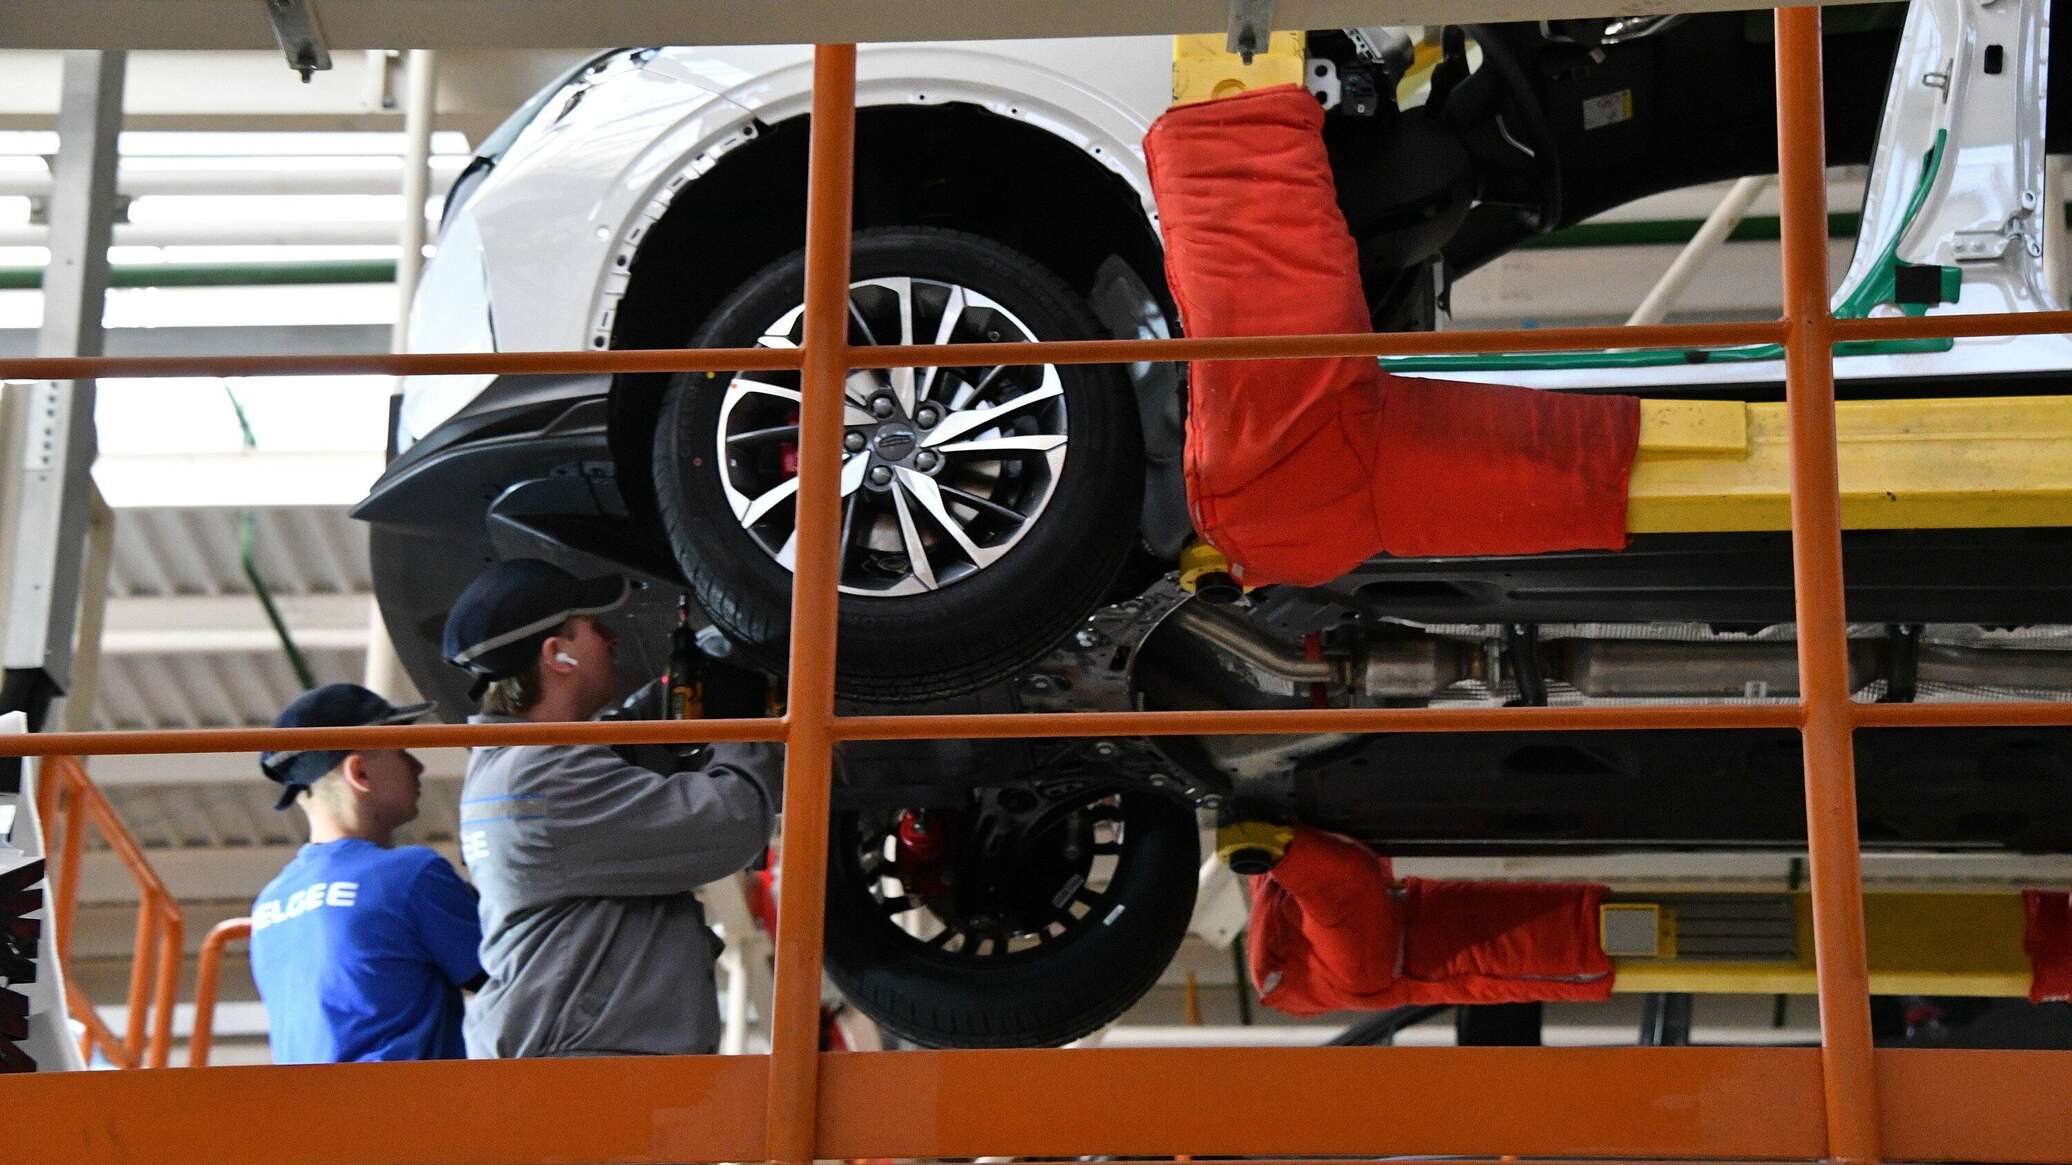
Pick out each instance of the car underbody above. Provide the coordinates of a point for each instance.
(1011, 533)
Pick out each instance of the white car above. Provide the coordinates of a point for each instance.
(1008, 529)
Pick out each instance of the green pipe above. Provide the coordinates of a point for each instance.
(303, 271)
(247, 541)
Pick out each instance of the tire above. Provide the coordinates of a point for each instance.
(991, 621)
(1040, 997)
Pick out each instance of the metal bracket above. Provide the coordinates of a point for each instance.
(1251, 25)
(1982, 246)
(300, 36)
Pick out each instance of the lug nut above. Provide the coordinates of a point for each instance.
(926, 460)
(928, 415)
(882, 406)
(881, 475)
(854, 442)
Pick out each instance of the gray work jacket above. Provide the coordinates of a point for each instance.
(592, 940)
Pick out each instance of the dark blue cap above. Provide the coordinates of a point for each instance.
(497, 624)
(331, 706)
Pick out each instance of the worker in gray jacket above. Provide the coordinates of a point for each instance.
(592, 940)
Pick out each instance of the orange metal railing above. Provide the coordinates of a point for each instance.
(67, 800)
(208, 977)
(799, 1104)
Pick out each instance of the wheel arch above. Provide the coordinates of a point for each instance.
(1063, 207)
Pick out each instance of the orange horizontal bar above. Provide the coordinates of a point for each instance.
(1937, 1105)
(403, 363)
(489, 1112)
(1034, 725)
(387, 736)
(1285, 1103)
(1449, 1159)
(893, 356)
(1281, 1102)
(2011, 714)
(1936, 327)
(1300, 720)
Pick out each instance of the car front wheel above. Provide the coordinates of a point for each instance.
(986, 508)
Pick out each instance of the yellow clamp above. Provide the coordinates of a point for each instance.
(1253, 847)
(1206, 571)
(1205, 70)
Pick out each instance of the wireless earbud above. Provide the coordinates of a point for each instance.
(564, 657)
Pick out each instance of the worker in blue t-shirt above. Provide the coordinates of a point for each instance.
(360, 951)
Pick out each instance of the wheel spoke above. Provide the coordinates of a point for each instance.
(775, 340)
(1034, 443)
(986, 504)
(899, 905)
(973, 391)
(952, 312)
(856, 313)
(770, 499)
(774, 433)
(923, 490)
(853, 465)
(742, 386)
(848, 535)
(788, 554)
(942, 937)
(857, 388)
(917, 554)
(903, 378)
(974, 420)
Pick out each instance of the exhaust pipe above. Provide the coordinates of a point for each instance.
(1643, 668)
(1420, 667)
(1417, 667)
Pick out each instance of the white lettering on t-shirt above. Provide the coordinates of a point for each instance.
(302, 901)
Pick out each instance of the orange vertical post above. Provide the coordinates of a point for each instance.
(66, 910)
(141, 956)
(1848, 1075)
(809, 756)
(166, 988)
(208, 977)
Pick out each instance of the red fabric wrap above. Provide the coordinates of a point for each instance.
(1330, 932)
(1298, 470)
(2048, 939)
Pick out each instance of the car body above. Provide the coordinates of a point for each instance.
(654, 198)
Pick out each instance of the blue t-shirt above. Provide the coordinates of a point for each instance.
(360, 953)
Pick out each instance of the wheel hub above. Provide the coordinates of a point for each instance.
(895, 443)
(945, 469)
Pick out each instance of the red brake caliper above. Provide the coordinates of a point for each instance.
(788, 451)
(922, 852)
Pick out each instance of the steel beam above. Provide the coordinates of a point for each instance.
(485, 24)
(54, 461)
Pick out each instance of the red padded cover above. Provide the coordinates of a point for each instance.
(1298, 470)
(2048, 939)
(1329, 932)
